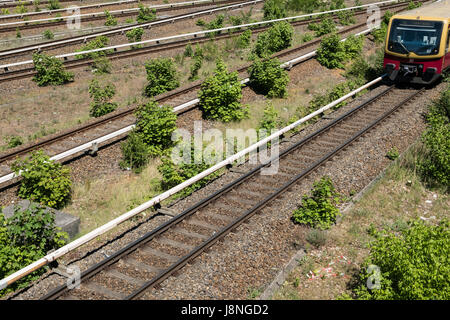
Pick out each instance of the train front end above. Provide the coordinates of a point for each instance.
(416, 49)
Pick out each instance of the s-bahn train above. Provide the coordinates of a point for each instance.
(417, 44)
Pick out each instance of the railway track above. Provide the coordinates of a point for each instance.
(13, 4)
(66, 140)
(54, 44)
(28, 72)
(82, 8)
(145, 263)
(110, 123)
(58, 21)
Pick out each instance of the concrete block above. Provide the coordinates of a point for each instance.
(67, 222)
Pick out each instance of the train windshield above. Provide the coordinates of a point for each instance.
(418, 36)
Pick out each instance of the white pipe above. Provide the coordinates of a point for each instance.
(192, 34)
(110, 225)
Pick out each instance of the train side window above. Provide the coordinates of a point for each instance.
(448, 40)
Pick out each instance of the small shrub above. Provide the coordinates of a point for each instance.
(21, 9)
(110, 20)
(277, 38)
(307, 6)
(135, 152)
(54, 5)
(392, 154)
(43, 180)
(331, 52)
(97, 43)
(200, 23)
(195, 68)
(14, 141)
(4, 11)
(145, 14)
(307, 37)
(220, 95)
(217, 23)
(243, 41)
(50, 70)
(274, 9)
(267, 77)
(188, 51)
(319, 210)
(48, 34)
(101, 65)
(135, 35)
(346, 17)
(101, 96)
(18, 34)
(414, 5)
(353, 46)
(162, 76)
(325, 27)
(270, 119)
(155, 124)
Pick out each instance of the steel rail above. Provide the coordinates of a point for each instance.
(124, 54)
(11, 4)
(57, 292)
(120, 30)
(160, 99)
(97, 5)
(194, 34)
(51, 22)
(124, 217)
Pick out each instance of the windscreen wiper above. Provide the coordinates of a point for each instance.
(403, 46)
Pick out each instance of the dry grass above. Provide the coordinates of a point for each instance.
(100, 200)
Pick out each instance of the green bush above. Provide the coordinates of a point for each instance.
(393, 153)
(135, 35)
(270, 119)
(217, 23)
(43, 180)
(21, 9)
(48, 34)
(220, 95)
(414, 5)
(110, 20)
(274, 9)
(436, 164)
(97, 43)
(24, 238)
(319, 210)
(145, 14)
(243, 41)
(332, 52)
(346, 17)
(54, 5)
(14, 141)
(325, 27)
(49, 70)
(268, 78)
(188, 51)
(363, 70)
(101, 96)
(413, 264)
(195, 68)
(277, 38)
(135, 152)
(353, 46)
(161, 76)
(379, 34)
(155, 124)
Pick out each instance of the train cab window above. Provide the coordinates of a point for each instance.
(418, 36)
